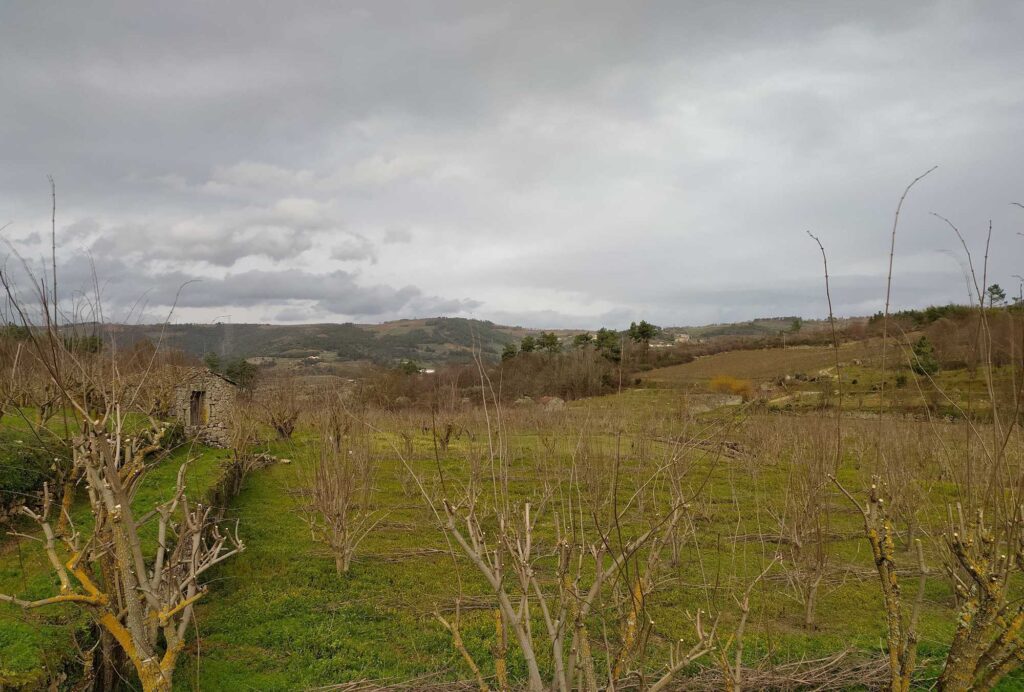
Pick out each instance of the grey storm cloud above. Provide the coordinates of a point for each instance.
(571, 163)
(281, 231)
(336, 293)
(128, 293)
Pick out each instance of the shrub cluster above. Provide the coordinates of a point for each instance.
(25, 463)
(727, 384)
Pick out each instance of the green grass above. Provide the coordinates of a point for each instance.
(281, 618)
(278, 617)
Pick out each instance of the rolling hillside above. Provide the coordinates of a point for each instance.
(428, 341)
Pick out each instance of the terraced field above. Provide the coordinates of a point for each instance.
(763, 364)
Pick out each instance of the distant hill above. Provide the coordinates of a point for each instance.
(427, 341)
(431, 341)
(761, 326)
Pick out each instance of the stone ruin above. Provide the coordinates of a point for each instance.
(203, 402)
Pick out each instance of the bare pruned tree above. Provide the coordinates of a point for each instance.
(279, 402)
(901, 624)
(984, 555)
(140, 599)
(595, 567)
(336, 496)
(805, 522)
(10, 355)
(145, 605)
(511, 562)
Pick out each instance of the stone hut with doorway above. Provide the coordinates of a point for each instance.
(203, 402)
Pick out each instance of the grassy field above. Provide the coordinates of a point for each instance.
(279, 617)
(801, 378)
(761, 364)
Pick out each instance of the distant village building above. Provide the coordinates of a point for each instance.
(203, 402)
(682, 338)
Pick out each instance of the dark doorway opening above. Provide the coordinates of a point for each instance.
(197, 409)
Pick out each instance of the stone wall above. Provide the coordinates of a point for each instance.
(217, 401)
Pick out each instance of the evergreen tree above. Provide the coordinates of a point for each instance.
(925, 362)
(609, 344)
(581, 341)
(409, 367)
(996, 295)
(212, 361)
(548, 341)
(644, 331)
(509, 352)
(241, 372)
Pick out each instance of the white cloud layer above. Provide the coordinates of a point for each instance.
(549, 164)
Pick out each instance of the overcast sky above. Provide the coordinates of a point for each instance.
(551, 164)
